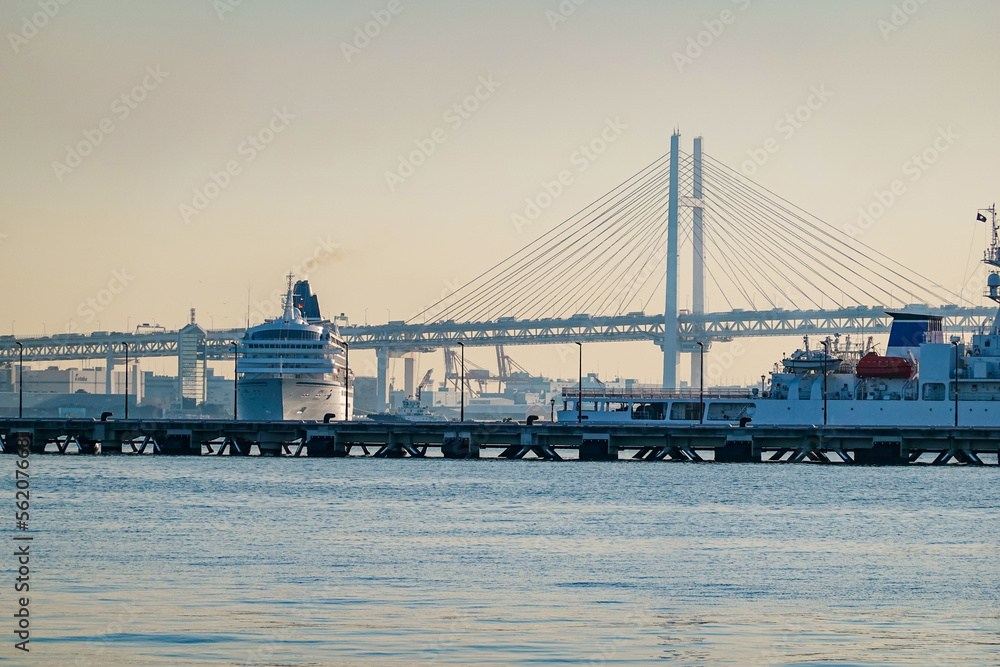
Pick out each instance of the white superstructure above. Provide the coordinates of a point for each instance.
(294, 367)
(922, 380)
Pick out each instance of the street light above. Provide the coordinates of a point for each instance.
(955, 343)
(236, 382)
(579, 396)
(552, 416)
(347, 381)
(126, 379)
(701, 383)
(20, 380)
(461, 417)
(826, 361)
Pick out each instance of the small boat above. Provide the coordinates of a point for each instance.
(409, 411)
(811, 360)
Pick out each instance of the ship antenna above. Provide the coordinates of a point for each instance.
(993, 212)
(992, 256)
(992, 259)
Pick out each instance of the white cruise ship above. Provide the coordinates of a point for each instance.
(294, 367)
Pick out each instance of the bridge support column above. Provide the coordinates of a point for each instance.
(670, 338)
(408, 381)
(382, 381)
(697, 256)
(108, 373)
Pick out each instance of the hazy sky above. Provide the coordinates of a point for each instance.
(162, 156)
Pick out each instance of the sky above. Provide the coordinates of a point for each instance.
(158, 157)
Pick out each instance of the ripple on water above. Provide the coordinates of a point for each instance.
(268, 561)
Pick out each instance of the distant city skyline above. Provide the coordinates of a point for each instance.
(158, 158)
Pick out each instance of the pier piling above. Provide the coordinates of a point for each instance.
(598, 448)
(737, 451)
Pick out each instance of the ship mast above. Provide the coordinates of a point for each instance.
(289, 301)
(992, 259)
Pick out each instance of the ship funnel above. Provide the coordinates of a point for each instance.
(306, 302)
(910, 330)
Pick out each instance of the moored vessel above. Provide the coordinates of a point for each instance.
(294, 367)
(920, 380)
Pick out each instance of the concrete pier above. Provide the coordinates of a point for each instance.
(510, 440)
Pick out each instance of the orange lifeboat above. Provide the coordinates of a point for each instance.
(891, 368)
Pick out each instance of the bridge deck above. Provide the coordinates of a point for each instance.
(401, 337)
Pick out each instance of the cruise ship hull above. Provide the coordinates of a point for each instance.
(291, 399)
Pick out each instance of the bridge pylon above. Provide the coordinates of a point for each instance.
(671, 338)
(673, 344)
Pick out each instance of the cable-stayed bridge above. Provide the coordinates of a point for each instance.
(778, 269)
(685, 223)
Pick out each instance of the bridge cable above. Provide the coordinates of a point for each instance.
(824, 229)
(442, 307)
(789, 235)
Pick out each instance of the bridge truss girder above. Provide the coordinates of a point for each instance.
(399, 339)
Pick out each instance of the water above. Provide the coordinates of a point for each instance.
(148, 560)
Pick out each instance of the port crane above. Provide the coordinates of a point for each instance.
(423, 383)
(506, 368)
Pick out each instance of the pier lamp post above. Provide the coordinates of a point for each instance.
(579, 391)
(461, 414)
(955, 343)
(826, 358)
(20, 380)
(236, 381)
(552, 414)
(347, 381)
(701, 383)
(125, 345)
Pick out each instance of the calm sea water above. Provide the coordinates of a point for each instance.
(147, 560)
